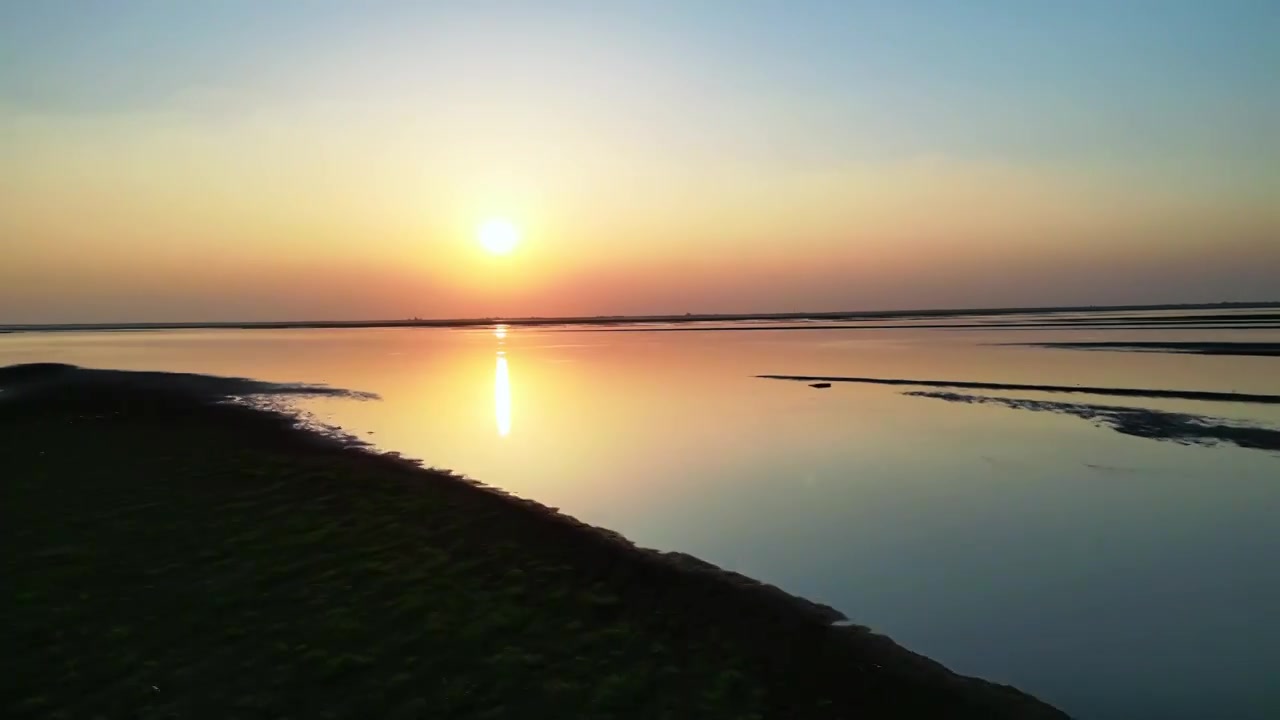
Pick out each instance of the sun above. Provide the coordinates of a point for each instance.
(498, 236)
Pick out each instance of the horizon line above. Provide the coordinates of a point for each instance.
(601, 319)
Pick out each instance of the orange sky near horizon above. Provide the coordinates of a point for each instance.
(648, 172)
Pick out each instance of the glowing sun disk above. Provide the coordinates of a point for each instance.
(498, 236)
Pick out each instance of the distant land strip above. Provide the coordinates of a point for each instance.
(1122, 392)
(1264, 349)
(652, 325)
(1220, 317)
(1208, 325)
(685, 318)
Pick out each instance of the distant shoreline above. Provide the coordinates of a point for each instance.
(633, 319)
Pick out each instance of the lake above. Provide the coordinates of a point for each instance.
(1114, 575)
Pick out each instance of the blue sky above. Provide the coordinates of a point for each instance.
(1175, 99)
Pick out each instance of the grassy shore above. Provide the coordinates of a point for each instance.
(170, 557)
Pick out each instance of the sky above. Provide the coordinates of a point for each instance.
(294, 160)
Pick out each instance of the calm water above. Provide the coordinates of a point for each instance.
(1114, 576)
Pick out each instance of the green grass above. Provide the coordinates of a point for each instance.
(168, 559)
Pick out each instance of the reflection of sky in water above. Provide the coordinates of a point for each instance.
(502, 386)
(502, 396)
(1114, 576)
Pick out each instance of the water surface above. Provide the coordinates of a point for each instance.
(1114, 576)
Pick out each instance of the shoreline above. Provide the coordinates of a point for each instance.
(112, 458)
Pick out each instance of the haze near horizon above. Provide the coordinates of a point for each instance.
(241, 161)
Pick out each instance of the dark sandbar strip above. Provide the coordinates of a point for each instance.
(1265, 349)
(1183, 428)
(1121, 392)
(170, 555)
